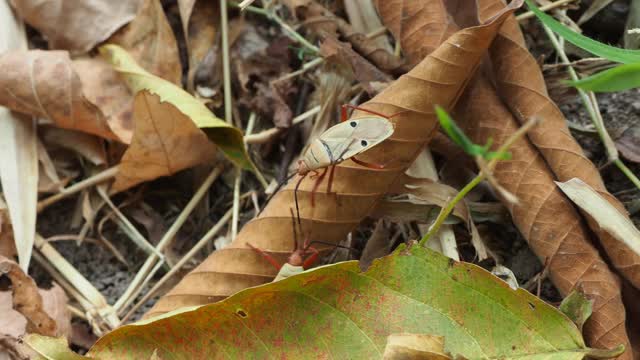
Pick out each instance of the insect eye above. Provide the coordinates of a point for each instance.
(364, 143)
(353, 124)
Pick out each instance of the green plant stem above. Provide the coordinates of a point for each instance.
(589, 102)
(446, 211)
(288, 30)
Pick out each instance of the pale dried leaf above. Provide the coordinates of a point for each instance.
(164, 142)
(18, 153)
(77, 26)
(603, 212)
(150, 40)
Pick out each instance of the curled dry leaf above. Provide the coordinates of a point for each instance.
(420, 26)
(26, 299)
(520, 83)
(439, 79)
(7, 245)
(200, 27)
(326, 24)
(45, 84)
(165, 141)
(553, 228)
(629, 143)
(368, 75)
(77, 26)
(150, 40)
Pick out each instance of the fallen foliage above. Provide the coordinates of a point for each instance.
(439, 79)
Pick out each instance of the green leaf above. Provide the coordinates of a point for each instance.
(458, 136)
(227, 137)
(340, 312)
(597, 48)
(577, 307)
(621, 77)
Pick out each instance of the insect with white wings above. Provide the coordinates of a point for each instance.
(343, 141)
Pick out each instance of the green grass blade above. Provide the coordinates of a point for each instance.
(456, 134)
(597, 48)
(622, 77)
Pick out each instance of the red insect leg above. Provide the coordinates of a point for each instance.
(344, 115)
(268, 257)
(367, 164)
(308, 262)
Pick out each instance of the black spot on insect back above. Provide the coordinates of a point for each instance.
(353, 124)
(364, 143)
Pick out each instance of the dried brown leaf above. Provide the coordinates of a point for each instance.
(87, 146)
(522, 87)
(76, 26)
(553, 228)
(44, 84)
(7, 244)
(164, 142)
(103, 87)
(26, 299)
(324, 24)
(420, 26)
(629, 143)
(150, 40)
(439, 79)
(338, 52)
(200, 25)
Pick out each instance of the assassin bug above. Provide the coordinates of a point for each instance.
(298, 261)
(340, 142)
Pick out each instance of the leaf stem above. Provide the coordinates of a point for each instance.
(288, 30)
(591, 105)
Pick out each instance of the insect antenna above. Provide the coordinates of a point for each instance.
(295, 197)
(295, 232)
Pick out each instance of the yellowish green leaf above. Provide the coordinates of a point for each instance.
(228, 138)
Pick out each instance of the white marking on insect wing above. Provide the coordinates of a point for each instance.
(352, 137)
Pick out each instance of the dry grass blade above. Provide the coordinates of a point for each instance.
(522, 87)
(18, 151)
(438, 79)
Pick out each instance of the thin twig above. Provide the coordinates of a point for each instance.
(194, 250)
(266, 135)
(591, 105)
(226, 67)
(77, 187)
(236, 204)
(147, 270)
(545, 8)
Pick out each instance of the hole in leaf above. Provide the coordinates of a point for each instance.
(241, 313)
